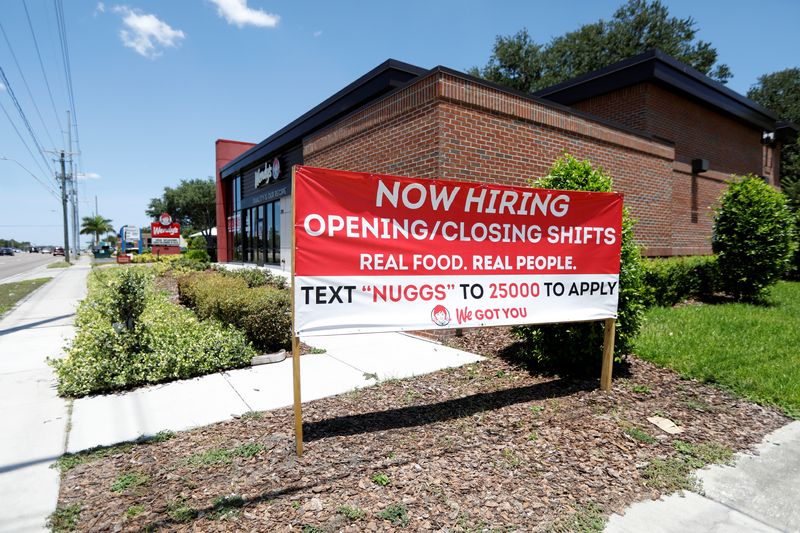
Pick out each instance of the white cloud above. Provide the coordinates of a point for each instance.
(236, 12)
(2, 87)
(317, 33)
(88, 176)
(145, 33)
(100, 8)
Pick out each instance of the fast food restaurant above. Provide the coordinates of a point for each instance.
(667, 134)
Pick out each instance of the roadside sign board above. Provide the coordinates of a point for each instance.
(165, 235)
(386, 253)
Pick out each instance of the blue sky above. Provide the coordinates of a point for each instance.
(155, 83)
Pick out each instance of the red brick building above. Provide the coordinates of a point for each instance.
(668, 135)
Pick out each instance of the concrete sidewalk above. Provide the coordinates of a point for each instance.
(760, 493)
(34, 417)
(350, 362)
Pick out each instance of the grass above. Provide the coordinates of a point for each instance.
(640, 435)
(396, 513)
(351, 513)
(64, 518)
(227, 506)
(217, 456)
(676, 473)
(129, 481)
(69, 461)
(134, 510)
(11, 293)
(381, 480)
(750, 350)
(586, 518)
(59, 264)
(179, 511)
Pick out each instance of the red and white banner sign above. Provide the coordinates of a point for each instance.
(165, 235)
(386, 253)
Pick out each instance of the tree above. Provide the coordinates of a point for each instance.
(96, 225)
(780, 92)
(637, 26)
(193, 204)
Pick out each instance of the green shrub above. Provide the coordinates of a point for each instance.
(200, 256)
(262, 312)
(169, 342)
(576, 348)
(672, 280)
(753, 238)
(256, 277)
(197, 243)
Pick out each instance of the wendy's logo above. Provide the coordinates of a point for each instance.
(440, 315)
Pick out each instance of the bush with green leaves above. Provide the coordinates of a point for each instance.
(576, 348)
(668, 281)
(167, 341)
(754, 238)
(255, 277)
(262, 312)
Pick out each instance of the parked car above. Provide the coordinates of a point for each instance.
(6, 251)
(58, 250)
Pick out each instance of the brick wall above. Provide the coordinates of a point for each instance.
(697, 131)
(451, 127)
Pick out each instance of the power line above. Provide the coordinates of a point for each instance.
(21, 138)
(34, 176)
(62, 31)
(22, 115)
(25, 82)
(41, 64)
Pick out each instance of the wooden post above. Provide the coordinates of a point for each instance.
(298, 408)
(608, 354)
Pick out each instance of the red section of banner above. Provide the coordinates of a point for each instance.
(358, 224)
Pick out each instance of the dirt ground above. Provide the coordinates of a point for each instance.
(488, 446)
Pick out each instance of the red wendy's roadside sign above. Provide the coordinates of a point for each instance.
(165, 235)
(387, 253)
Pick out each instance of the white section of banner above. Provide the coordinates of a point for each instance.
(372, 304)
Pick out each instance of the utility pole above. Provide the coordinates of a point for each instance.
(64, 207)
(73, 190)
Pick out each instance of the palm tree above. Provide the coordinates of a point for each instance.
(96, 225)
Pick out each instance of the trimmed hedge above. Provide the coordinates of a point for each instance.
(130, 334)
(672, 280)
(262, 312)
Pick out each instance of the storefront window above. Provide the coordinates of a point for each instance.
(259, 233)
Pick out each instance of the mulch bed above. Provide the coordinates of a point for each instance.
(488, 445)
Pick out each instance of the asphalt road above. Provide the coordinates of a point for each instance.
(11, 266)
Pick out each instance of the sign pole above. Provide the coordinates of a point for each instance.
(298, 409)
(608, 354)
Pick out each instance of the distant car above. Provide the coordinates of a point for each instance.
(6, 251)
(45, 250)
(33, 250)
(58, 250)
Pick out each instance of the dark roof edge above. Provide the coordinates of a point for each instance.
(554, 105)
(277, 137)
(659, 56)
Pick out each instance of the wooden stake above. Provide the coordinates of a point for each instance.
(298, 408)
(608, 354)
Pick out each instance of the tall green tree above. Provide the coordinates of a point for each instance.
(780, 92)
(192, 204)
(519, 62)
(96, 225)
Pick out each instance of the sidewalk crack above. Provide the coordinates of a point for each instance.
(225, 377)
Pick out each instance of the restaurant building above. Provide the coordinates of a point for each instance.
(668, 135)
